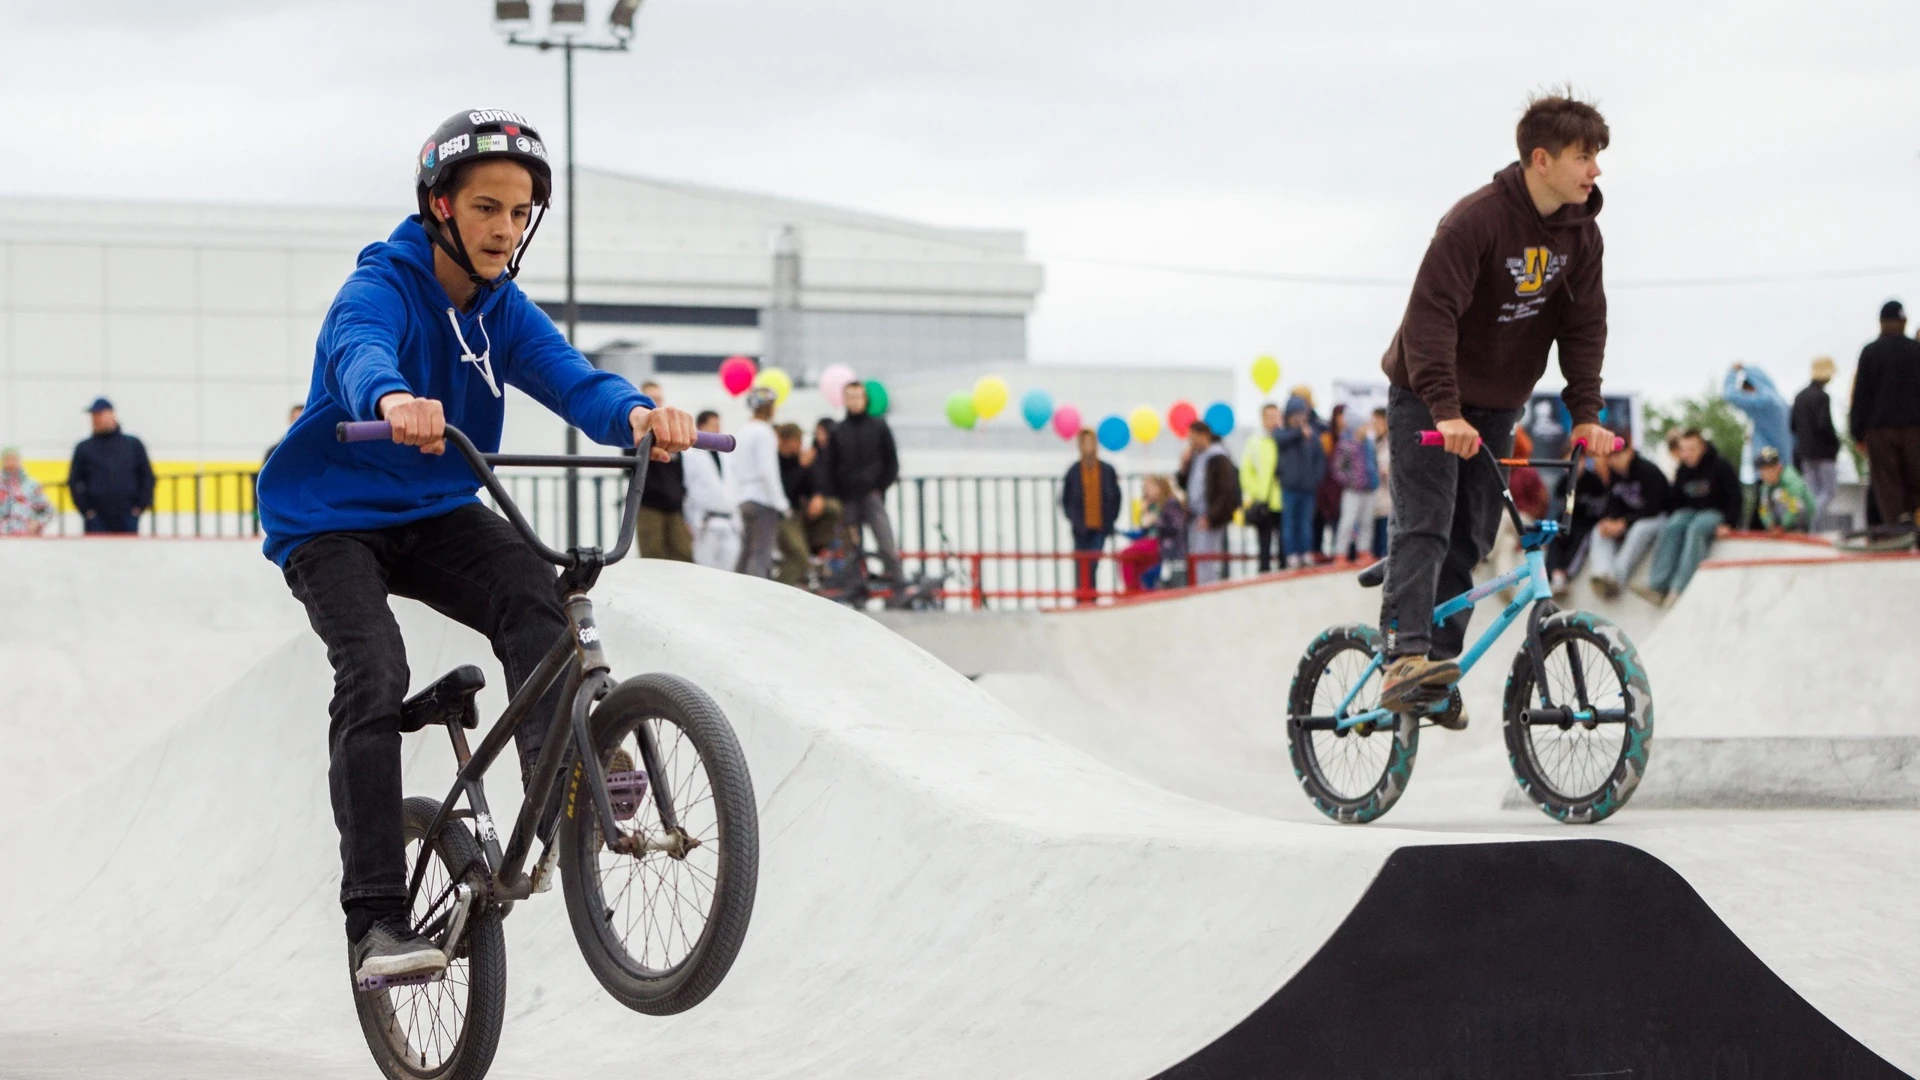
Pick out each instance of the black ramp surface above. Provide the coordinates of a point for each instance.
(1549, 959)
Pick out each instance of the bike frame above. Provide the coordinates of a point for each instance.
(1537, 594)
(578, 664)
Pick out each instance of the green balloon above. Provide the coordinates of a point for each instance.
(876, 398)
(960, 410)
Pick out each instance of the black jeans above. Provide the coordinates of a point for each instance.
(470, 566)
(1446, 513)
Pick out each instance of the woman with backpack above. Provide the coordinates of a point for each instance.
(1357, 472)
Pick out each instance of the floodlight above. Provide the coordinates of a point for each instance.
(621, 19)
(512, 11)
(569, 18)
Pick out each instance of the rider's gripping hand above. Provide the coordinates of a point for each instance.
(1463, 439)
(672, 429)
(1598, 439)
(416, 421)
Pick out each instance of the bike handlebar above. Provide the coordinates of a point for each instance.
(352, 431)
(1435, 438)
(482, 466)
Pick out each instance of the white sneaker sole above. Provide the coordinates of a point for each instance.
(418, 962)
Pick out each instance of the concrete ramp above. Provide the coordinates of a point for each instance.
(946, 891)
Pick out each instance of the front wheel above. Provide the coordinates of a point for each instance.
(1580, 753)
(1353, 775)
(660, 930)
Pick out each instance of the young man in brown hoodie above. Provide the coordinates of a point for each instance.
(1512, 270)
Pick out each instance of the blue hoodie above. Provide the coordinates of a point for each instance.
(392, 328)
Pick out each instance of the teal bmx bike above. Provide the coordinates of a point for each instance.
(1577, 712)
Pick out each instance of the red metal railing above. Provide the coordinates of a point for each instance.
(1090, 587)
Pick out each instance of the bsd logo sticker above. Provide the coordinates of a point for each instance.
(456, 145)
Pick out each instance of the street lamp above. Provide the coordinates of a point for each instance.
(566, 29)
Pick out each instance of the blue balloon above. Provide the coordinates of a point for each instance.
(1114, 433)
(1036, 406)
(1219, 418)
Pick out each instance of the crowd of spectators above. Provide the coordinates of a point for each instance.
(779, 504)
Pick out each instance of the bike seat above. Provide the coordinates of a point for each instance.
(448, 700)
(1374, 576)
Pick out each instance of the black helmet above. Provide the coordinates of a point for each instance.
(461, 140)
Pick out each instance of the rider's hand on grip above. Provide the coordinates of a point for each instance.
(1589, 436)
(672, 429)
(1460, 438)
(416, 422)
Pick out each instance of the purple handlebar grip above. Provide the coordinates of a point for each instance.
(713, 440)
(362, 430)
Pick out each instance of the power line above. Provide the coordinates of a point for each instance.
(1354, 281)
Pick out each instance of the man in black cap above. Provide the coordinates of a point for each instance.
(1885, 416)
(110, 478)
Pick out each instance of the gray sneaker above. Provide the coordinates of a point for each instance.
(391, 949)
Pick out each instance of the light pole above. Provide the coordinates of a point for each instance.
(565, 25)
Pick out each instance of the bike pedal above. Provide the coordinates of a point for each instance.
(372, 983)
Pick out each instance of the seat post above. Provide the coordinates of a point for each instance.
(461, 751)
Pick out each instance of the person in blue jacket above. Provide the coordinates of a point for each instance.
(1752, 392)
(428, 330)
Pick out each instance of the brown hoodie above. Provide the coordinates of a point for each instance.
(1499, 285)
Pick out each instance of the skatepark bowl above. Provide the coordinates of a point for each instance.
(998, 844)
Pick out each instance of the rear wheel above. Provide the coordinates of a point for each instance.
(660, 930)
(1580, 760)
(1357, 774)
(447, 1029)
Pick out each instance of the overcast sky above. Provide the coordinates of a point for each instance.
(1751, 138)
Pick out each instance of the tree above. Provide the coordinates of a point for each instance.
(1720, 422)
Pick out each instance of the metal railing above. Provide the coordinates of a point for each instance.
(204, 504)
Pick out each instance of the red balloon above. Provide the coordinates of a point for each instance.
(736, 374)
(1181, 417)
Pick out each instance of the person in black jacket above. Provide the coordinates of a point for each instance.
(1090, 498)
(661, 531)
(1630, 521)
(110, 478)
(1702, 504)
(861, 464)
(1816, 445)
(814, 519)
(1885, 416)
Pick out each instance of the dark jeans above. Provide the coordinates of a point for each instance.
(107, 522)
(870, 512)
(1296, 521)
(1893, 468)
(1446, 513)
(1087, 546)
(1266, 536)
(468, 565)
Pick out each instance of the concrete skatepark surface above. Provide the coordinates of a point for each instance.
(946, 889)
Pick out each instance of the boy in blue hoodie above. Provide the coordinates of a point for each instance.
(351, 525)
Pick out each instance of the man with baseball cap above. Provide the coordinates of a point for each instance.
(110, 478)
(1885, 416)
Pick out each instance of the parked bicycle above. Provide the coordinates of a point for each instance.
(640, 799)
(1577, 713)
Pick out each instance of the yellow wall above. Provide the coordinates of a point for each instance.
(173, 489)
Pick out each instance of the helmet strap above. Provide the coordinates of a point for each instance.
(513, 264)
(447, 236)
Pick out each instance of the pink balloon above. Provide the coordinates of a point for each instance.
(736, 374)
(833, 384)
(1066, 421)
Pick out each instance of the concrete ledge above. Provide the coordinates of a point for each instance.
(1761, 772)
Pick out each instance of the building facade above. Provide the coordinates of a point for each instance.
(198, 321)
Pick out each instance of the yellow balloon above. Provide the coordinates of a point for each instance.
(1266, 372)
(1145, 422)
(990, 396)
(777, 381)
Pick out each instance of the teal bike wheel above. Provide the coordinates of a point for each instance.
(1356, 775)
(1579, 761)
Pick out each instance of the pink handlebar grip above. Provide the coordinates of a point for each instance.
(1618, 443)
(1429, 438)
